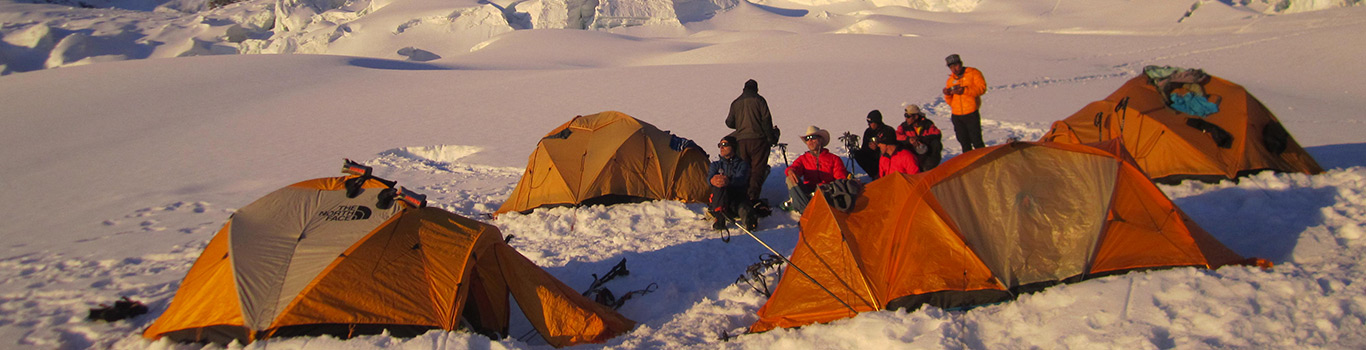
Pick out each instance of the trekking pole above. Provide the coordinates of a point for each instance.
(782, 147)
(794, 266)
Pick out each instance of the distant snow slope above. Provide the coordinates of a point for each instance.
(41, 36)
(116, 174)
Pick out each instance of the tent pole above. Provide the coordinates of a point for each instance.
(789, 263)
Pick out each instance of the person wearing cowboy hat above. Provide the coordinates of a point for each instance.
(816, 167)
(919, 135)
(867, 155)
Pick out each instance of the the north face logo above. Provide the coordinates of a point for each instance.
(346, 213)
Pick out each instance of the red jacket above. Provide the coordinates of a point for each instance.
(901, 162)
(922, 130)
(812, 171)
(973, 87)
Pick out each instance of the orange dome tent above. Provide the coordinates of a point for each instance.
(608, 157)
(982, 227)
(1169, 149)
(308, 259)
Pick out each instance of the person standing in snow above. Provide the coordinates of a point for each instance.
(963, 92)
(919, 134)
(755, 135)
(729, 179)
(895, 157)
(816, 167)
(868, 153)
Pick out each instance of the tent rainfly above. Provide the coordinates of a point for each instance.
(609, 157)
(981, 228)
(310, 259)
(1243, 137)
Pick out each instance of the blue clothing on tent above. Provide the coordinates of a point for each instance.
(679, 144)
(1193, 104)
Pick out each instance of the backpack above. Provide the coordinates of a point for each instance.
(842, 194)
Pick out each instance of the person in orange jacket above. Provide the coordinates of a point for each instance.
(963, 92)
(816, 167)
(895, 158)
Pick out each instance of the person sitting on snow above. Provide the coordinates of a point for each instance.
(921, 136)
(866, 156)
(816, 167)
(729, 180)
(895, 157)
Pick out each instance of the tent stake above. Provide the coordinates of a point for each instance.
(789, 263)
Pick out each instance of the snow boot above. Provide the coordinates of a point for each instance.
(751, 223)
(761, 208)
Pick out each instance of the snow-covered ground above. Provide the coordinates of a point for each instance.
(119, 163)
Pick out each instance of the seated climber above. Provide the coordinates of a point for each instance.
(816, 167)
(729, 180)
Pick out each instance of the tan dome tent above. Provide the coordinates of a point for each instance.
(606, 158)
(309, 260)
(1243, 137)
(979, 229)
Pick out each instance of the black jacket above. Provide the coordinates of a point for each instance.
(750, 118)
(870, 133)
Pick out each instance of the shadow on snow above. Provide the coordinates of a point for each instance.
(1259, 222)
(1339, 156)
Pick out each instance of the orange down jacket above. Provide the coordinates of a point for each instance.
(974, 86)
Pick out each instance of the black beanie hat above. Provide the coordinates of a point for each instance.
(875, 117)
(729, 140)
(886, 137)
(751, 85)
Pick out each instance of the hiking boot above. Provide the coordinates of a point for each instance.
(751, 223)
(761, 208)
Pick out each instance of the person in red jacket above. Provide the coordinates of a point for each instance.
(895, 158)
(816, 167)
(963, 92)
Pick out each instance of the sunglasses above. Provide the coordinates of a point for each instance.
(723, 144)
(915, 115)
(810, 137)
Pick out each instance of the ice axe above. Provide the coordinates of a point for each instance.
(1123, 108)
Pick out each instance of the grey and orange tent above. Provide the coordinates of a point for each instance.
(981, 228)
(309, 259)
(1243, 137)
(609, 157)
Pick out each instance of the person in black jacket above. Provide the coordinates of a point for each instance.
(867, 155)
(729, 180)
(755, 135)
